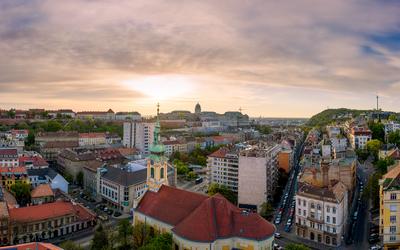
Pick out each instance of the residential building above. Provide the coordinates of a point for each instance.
(96, 115)
(12, 175)
(223, 165)
(286, 160)
(42, 194)
(172, 146)
(47, 221)
(359, 136)
(9, 157)
(120, 186)
(52, 143)
(90, 176)
(4, 223)
(197, 221)
(391, 127)
(139, 135)
(258, 165)
(389, 212)
(133, 116)
(92, 139)
(333, 131)
(71, 162)
(47, 176)
(321, 211)
(32, 161)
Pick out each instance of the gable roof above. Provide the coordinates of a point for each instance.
(41, 191)
(124, 177)
(31, 246)
(201, 218)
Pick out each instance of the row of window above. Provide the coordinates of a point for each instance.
(318, 206)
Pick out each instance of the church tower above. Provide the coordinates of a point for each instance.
(157, 163)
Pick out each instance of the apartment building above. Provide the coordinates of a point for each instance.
(172, 146)
(96, 115)
(92, 139)
(139, 135)
(258, 174)
(359, 136)
(223, 167)
(9, 157)
(389, 216)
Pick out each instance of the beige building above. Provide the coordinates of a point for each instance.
(92, 139)
(138, 135)
(389, 217)
(223, 167)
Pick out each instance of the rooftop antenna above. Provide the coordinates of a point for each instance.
(377, 102)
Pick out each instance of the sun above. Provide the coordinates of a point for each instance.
(161, 87)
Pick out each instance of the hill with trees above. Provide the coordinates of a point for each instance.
(329, 115)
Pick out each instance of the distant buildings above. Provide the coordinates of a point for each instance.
(123, 116)
(92, 139)
(138, 135)
(96, 115)
(9, 157)
(197, 109)
(200, 222)
(389, 216)
(391, 127)
(258, 175)
(47, 176)
(52, 143)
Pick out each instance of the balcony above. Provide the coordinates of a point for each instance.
(314, 219)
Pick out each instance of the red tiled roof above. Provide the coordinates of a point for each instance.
(48, 210)
(41, 191)
(13, 170)
(201, 218)
(61, 144)
(37, 161)
(92, 135)
(8, 151)
(33, 245)
(220, 153)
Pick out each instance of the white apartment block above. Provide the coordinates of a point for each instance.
(359, 137)
(223, 166)
(139, 135)
(391, 127)
(9, 157)
(321, 213)
(333, 131)
(258, 174)
(92, 139)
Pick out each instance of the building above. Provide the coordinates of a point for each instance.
(197, 109)
(200, 222)
(4, 223)
(321, 212)
(90, 176)
(391, 127)
(333, 131)
(71, 162)
(223, 165)
(31, 246)
(47, 221)
(286, 160)
(12, 175)
(9, 157)
(359, 136)
(92, 139)
(139, 135)
(389, 216)
(133, 116)
(172, 146)
(119, 187)
(42, 194)
(32, 162)
(258, 166)
(47, 176)
(52, 143)
(96, 115)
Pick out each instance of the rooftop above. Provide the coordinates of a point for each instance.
(42, 191)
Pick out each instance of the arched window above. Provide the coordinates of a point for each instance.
(162, 173)
(152, 172)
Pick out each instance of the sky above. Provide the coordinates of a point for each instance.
(270, 58)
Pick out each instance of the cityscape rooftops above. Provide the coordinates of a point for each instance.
(42, 191)
(92, 135)
(8, 153)
(124, 176)
(31, 246)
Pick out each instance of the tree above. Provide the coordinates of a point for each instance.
(293, 246)
(100, 239)
(378, 130)
(125, 231)
(30, 140)
(70, 245)
(392, 117)
(264, 129)
(191, 175)
(68, 177)
(79, 178)
(160, 242)
(373, 147)
(141, 235)
(266, 210)
(53, 126)
(372, 189)
(22, 192)
(181, 167)
(11, 113)
(215, 188)
(394, 138)
(383, 164)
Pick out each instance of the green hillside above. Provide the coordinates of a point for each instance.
(329, 115)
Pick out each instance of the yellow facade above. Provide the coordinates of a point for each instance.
(389, 216)
(7, 182)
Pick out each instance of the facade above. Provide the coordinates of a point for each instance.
(90, 176)
(52, 143)
(258, 166)
(224, 167)
(71, 162)
(32, 162)
(200, 222)
(359, 136)
(389, 217)
(175, 146)
(391, 127)
(47, 221)
(9, 157)
(47, 176)
(96, 115)
(321, 213)
(42, 194)
(92, 139)
(133, 116)
(121, 186)
(12, 175)
(139, 135)
(4, 224)
(286, 160)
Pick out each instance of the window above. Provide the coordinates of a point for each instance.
(328, 209)
(334, 220)
(392, 229)
(304, 212)
(318, 207)
(392, 238)
(393, 196)
(334, 210)
(334, 229)
(299, 202)
(162, 173)
(304, 202)
(299, 211)
(393, 219)
(393, 208)
(328, 228)
(312, 205)
(152, 172)
(328, 219)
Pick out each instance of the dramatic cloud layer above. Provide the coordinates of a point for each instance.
(273, 58)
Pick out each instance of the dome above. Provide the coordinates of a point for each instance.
(197, 108)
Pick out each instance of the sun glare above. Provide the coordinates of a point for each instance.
(161, 87)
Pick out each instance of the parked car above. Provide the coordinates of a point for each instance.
(117, 214)
(103, 217)
(278, 235)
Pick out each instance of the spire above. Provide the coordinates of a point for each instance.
(157, 147)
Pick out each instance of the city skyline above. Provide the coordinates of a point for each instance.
(273, 59)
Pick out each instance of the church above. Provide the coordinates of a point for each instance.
(196, 221)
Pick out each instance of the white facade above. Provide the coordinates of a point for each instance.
(9, 157)
(139, 135)
(258, 174)
(391, 127)
(92, 139)
(133, 116)
(224, 170)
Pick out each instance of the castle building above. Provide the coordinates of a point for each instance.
(197, 109)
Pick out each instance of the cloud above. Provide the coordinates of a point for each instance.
(71, 49)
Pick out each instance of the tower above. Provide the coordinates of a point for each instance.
(197, 109)
(157, 162)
